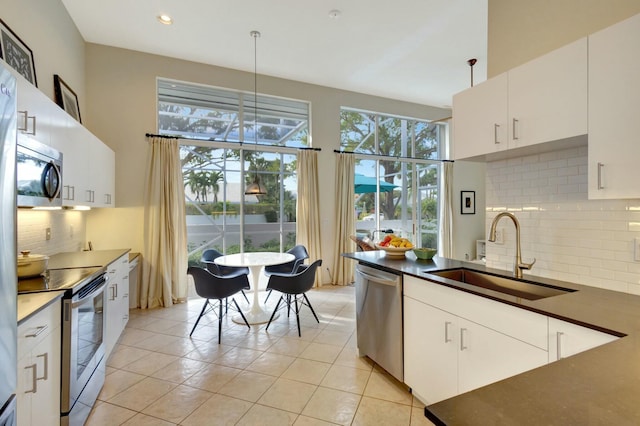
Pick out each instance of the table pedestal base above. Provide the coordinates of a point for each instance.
(259, 318)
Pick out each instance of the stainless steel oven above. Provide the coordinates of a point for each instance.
(83, 348)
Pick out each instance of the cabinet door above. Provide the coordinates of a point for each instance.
(117, 301)
(102, 174)
(46, 401)
(487, 356)
(566, 339)
(548, 97)
(614, 102)
(35, 109)
(38, 390)
(480, 119)
(430, 352)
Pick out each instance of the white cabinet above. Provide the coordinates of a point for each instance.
(542, 101)
(614, 102)
(430, 351)
(480, 119)
(88, 170)
(117, 310)
(456, 342)
(38, 393)
(566, 339)
(548, 97)
(486, 356)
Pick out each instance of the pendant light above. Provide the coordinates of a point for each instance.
(255, 188)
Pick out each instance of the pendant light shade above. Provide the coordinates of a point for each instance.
(256, 187)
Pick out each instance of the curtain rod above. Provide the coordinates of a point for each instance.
(153, 135)
(337, 151)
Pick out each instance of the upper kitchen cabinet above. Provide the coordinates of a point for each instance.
(542, 101)
(480, 119)
(614, 103)
(88, 169)
(34, 112)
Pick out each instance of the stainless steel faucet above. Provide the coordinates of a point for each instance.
(519, 265)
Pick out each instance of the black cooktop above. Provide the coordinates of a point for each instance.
(57, 279)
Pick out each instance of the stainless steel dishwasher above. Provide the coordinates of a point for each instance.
(379, 318)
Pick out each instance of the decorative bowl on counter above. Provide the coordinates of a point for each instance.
(397, 252)
(425, 253)
(31, 265)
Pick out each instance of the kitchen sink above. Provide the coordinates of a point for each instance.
(523, 289)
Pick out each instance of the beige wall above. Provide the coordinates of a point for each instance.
(58, 48)
(121, 88)
(521, 30)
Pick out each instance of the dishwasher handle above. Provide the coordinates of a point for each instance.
(377, 279)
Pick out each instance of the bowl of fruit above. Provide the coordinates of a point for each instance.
(394, 246)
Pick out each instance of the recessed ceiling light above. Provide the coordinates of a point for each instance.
(334, 14)
(165, 19)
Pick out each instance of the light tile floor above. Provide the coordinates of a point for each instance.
(157, 375)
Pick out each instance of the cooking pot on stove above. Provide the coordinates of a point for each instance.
(31, 265)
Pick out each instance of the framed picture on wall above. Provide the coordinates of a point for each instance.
(468, 202)
(66, 98)
(17, 54)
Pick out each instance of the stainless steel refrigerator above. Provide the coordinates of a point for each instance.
(8, 268)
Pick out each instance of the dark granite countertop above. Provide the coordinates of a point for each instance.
(84, 259)
(597, 387)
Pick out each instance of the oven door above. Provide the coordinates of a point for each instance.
(82, 340)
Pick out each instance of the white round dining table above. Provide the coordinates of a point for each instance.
(255, 261)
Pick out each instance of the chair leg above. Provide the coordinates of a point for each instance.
(241, 314)
(220, 324)
(288, 304)
(274, 313)
(246, 298)
(310, 307)
(295, 299)
(206, 303)
(266, 298)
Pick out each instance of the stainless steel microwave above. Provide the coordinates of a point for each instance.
(38, 174)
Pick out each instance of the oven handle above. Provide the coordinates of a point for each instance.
(91, 295)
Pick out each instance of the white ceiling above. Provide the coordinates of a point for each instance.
(412, 50)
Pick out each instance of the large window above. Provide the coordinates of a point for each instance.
(397, 173)
(224, 146)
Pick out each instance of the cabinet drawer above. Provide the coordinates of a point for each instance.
(32, 331)
(518, 323)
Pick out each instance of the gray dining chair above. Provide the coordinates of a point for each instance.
(293, 288)
(217, 288)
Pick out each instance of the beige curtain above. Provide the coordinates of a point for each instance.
(446, 209)
(164, 277)
(345, 219)
(308, 206)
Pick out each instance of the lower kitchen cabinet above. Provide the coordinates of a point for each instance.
(446, 354)
(566, 339)
(117, 312)
(430, 352)
(38, 393)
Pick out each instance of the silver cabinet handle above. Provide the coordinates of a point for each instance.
(71, 192)
(115, 285)
(463, 331)
(39, 330)
(600, 166)
(113, 292)
(45, 356)
(91, 196)
(25, 129)
(34, 380)
(559, 335)
(447, 339)
(495, 133)
(515, 123)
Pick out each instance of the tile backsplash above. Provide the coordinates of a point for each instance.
(573, 239)
(68, 231)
